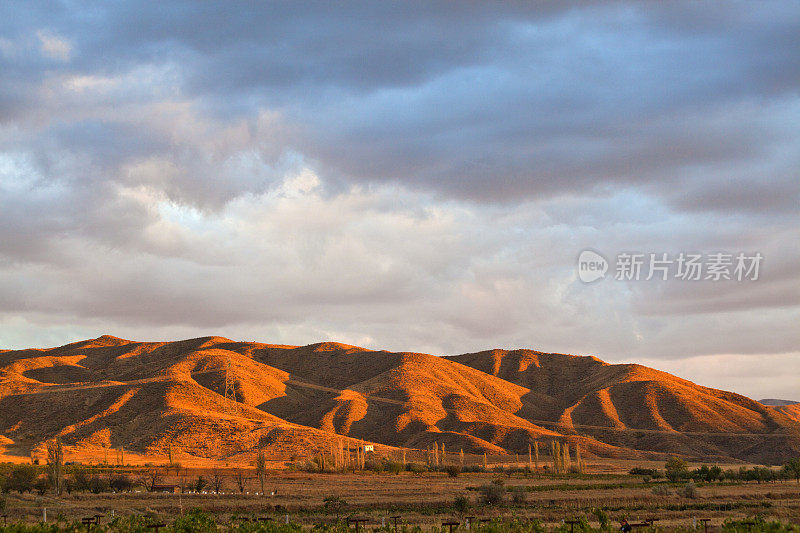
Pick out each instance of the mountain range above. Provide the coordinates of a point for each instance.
(215, 398)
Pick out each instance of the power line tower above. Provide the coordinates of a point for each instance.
(230, 390)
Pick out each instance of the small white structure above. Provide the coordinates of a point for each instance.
(369, 448)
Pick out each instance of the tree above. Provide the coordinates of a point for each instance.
(80, 480)
(216, 481)
(793, 468)
(42, 485)
(241, 480)
(55, 464)
(261, 469)
(676, 469)
(150, 478)
(22, 478)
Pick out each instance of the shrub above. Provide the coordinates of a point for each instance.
(492, 493)
(452, 470)
(639, 471)
(602, 518)
(661, 490)
(373, 466)
(461, 504)
(519, 495)
(393, 467)
(121, 483)
(194, 521)
(688, 491)
(416, 468)
(334, 504)
(98, 484)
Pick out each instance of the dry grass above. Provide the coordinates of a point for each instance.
(428, 498)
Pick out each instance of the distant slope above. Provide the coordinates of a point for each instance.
(775, 403)
(147, 396)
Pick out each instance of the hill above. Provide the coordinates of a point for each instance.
(777, 403)
(147, 396)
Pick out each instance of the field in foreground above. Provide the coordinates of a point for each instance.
(429, 499)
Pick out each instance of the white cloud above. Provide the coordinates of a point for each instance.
(54, 46)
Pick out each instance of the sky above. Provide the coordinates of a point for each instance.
(406, 176)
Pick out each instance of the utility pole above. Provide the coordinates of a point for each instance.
(230, 390)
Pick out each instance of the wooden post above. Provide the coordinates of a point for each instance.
(536, 453)
(461, 456)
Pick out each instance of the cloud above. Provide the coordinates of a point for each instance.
(406, 178)
(54, 46)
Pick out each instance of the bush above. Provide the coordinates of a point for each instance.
(519, 495)
(416, 468)
(661, 490)
(121, 483)
(373, 466)
(393, 467)
(452, 470)
(688, 491)
(602, 518)
(461, 504)
(194, 521)
(492, 493)
(98, 484)
(639, 471)
(334, 504)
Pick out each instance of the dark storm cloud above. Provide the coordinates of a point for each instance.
(486, 102)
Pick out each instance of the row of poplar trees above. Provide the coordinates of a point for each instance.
(560, 455)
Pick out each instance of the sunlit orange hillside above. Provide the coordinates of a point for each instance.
(110, 392)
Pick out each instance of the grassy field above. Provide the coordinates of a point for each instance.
(427, 499)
